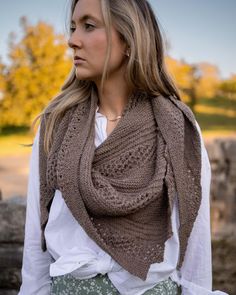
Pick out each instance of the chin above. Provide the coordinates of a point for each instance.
(83, 76)
(86, 77)
(79, 76)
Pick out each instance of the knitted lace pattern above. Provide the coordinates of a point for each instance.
(122, 192)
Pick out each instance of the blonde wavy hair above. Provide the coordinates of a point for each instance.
(137, 25)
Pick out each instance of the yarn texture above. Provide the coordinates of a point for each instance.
(122, 192)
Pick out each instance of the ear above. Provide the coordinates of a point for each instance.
(122, 39)
(127, 50)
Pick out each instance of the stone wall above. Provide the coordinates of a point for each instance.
(224, 263)
(12, 219)
(222, 154)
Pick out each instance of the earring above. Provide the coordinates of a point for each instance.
(127, 53)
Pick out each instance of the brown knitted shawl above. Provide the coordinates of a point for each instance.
(122, 192)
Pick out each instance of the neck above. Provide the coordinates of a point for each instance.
(113, 97)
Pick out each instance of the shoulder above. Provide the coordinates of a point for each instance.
(171, 101)
(173, 110)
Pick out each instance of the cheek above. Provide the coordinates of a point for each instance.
(97, 47)
(118, 46)
(118, 51)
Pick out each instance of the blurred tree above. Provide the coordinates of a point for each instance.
(209, 79)
(180, 72)
(194, 81)
(2, 87)
(227, 87)
(191, 91)
(2, 80)
(38, 67)
(186, 77)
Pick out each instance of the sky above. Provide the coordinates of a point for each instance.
(197, 30)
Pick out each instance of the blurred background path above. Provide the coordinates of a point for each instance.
(14, 175)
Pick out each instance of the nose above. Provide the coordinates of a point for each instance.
(74, 41)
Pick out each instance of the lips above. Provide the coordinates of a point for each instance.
(78, 60)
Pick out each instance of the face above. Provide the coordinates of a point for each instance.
(89, 42)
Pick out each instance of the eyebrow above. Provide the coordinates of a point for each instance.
(86, 17)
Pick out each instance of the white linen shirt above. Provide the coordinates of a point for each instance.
(71, 250)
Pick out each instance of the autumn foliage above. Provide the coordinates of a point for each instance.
(38, 67)
(195, 80)
(39, 64)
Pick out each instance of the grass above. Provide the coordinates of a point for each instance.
(13, 141)
(216, 117)
(15, 144)
(219, 102)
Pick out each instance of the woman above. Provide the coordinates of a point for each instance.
(119, 179)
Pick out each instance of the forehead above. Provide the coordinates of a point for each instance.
(87, 7)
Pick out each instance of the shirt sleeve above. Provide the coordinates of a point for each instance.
(35, 267)
(196, 271)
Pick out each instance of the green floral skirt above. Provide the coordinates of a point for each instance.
(101, 285)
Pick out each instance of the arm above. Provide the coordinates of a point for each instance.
(196, 271)
(35, 269)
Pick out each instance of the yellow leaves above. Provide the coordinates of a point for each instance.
(228, 87)
(2, 80)
(209, 80)
(40, 63)
(194, 81)
(181, 72)
(37, 71)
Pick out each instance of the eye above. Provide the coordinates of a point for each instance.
(72, 28)
(88, 27)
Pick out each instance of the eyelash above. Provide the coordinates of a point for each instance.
(72, 29)
(87, 26)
